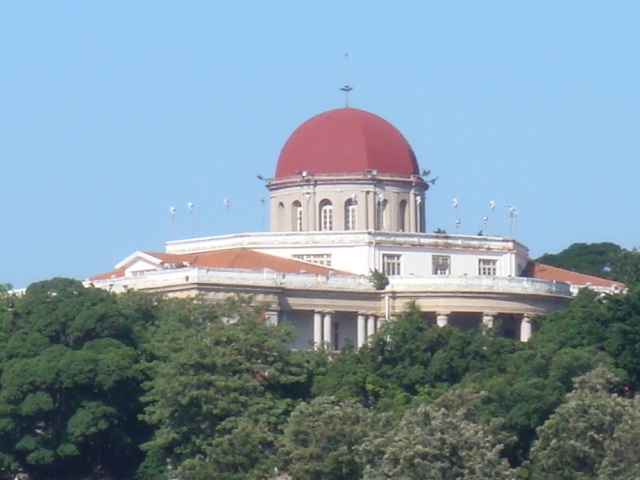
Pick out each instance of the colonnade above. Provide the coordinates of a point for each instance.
(326, 336)
(488, 322)
(330, 329)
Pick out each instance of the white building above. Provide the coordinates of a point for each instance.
(347, 198)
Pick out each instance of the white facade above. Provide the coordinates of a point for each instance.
(464, 281)
(360, 252)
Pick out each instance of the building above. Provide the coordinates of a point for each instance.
(347, 198)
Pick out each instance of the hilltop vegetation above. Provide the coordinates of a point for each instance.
(605, 259)
(95, 386)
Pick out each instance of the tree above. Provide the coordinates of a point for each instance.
(605, 259)
(588, 258)
(625, 267)
(525, 386)
(379, 279)
(321, 439)
(608, 324)
(216, 370)
(69, 384)
(247, 451)
(573, 442)
(622, 460)
(408, 357)
(439, 441)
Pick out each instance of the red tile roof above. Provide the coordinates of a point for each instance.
(241, 258)
(547, 272)
(107, 275)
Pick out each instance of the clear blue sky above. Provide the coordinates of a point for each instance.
(111, 112)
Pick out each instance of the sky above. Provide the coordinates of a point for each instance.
(112, 112)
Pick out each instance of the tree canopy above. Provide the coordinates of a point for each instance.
(604, 259)
(70, 390)
(96, 386)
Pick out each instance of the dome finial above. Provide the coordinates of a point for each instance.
(347, 88)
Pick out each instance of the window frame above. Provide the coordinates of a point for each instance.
(296, 216)
(323, 259)
(350, 215)
(392, 264)
(437, 264)
(326, 215)
(487, 267)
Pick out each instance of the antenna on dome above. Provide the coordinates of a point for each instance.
(492, 207)
(191, 206)
(172, 211)
(455, 204)
(347, 88)
(513, 215)
(227, 205)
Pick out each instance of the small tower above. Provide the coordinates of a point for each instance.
(347, 169)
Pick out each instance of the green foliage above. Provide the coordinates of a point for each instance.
(574, 442)
(407, 358)
(214, 367)
(321, 439)
(622, 460)
(625, 267)
(69, 384)
(610, 325)
(379, 279)
(247, 451)
(606, 260)
(589, 258)
(439, 440)
(525, 386)
(95, 386)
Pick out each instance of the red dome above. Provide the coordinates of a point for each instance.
(346, 140)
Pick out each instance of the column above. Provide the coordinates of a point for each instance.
(317, 330)
(393, 205)
(412, 212)
(313, 212)
(328, 333)
(271, 318)
(307, 212)
(371, 210)
(442, 319)
(487, 321)
(371, 326)
(526, 329)
(362, 331)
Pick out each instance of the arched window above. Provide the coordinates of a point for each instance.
(281, 225)
(326, 215)
(296, 216)
(350, 214)
(402, 216)
(381, 214)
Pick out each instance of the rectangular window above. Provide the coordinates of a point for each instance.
(441, 265)
(487, 268)
(323, 259)
(391, 264)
